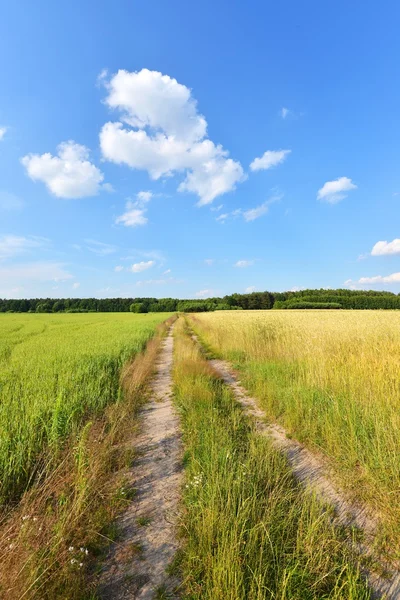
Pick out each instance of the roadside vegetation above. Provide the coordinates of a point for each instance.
(70, 390)
(331, 379)
(249, 530)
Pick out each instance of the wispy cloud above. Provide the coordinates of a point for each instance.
(14, 245)
(3, 131)
(250, 214)
(10, 202)
(284, 112)
(205, 294)
(242, 264)
(100, 248)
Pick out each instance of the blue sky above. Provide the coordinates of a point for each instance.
(192, 149)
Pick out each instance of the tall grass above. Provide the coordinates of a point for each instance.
(332, 379)
(52, 539)
(250, 532)
(55, 373)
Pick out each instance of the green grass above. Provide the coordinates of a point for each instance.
(331, 379)
(249, 531)
(56, 372)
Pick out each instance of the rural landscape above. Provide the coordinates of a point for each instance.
(237, 515)
(199, 300)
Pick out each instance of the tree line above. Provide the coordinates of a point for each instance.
(303, 299)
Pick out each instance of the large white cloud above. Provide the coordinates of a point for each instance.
(270, 158)
(335, 191)
(69, 174)
(385, 248)
(160, 131)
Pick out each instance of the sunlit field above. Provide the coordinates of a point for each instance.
(331, 378)
(56, 371)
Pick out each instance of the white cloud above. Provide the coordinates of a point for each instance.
(161, 131)
(335, 191)
(75, 285)
(209, 261)
(3, 131)
(100, 248)
(270, 158)
(118, 268)
(251, 213)
(134, 215)
(217, 208)
(167, 272)
(204, 294)
(69, 174)
(145, 282)
(242, 264)
(377, 279)
(9, 202)
(250, 289)
(393, 278)
(14, 245)
(255, 213)
(284, 112)
(142, 266)
(386, 248)
(37, 272)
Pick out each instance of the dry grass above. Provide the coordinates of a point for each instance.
(51, 539)
(250, 532)
(332, 379)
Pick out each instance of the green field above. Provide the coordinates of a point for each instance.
(55, 373)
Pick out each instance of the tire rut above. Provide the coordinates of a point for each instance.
(136, 566)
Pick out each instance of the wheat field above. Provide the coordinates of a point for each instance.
(332, 380)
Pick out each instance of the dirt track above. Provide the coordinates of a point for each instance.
(136, 567)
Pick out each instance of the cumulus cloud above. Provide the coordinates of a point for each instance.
(142, 266)
(250, 289)
(270, 158)
(386, 248)
(75, 285)
(134, 214)
(335, 191)
(242, 264)
(161, 131)
(3, 131)
(70, 174)
(14, 245)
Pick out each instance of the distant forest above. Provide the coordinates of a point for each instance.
(304, 299)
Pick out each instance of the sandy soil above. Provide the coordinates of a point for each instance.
(136, 565)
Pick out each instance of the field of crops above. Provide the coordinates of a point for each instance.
(332, 380)
(55, 373)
